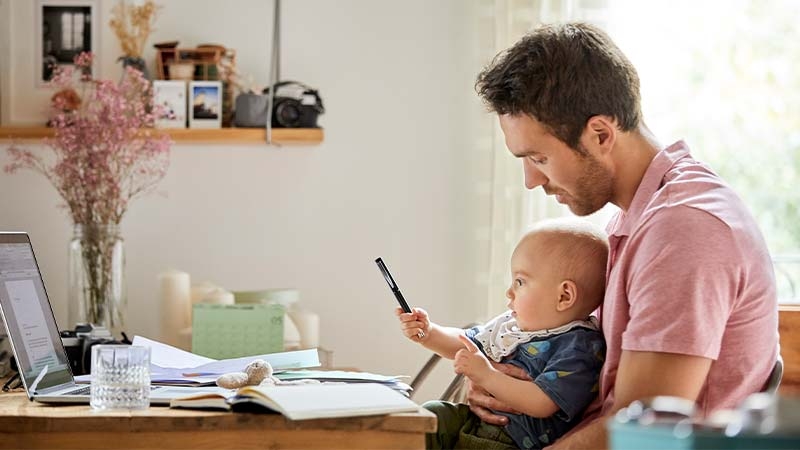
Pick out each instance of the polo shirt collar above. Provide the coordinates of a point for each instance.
(651, 182)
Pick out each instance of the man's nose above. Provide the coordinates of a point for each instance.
(533, 176)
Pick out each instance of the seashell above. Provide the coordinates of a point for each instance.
(258, 371)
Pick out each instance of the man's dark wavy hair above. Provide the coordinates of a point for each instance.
(562, 75)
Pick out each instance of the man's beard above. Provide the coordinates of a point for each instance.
(593, 188)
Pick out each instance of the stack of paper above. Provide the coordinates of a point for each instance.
(175, 367)
(347, 377)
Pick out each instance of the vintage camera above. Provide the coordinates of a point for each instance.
(78, 345)
(295, 105)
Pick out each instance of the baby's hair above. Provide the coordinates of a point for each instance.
(576, 250)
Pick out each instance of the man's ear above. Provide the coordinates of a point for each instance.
(600, 133)
(567, 295)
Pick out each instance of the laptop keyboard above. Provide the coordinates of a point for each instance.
(79, 391)
(86, 390)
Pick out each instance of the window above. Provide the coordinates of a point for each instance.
(72, 31)
(725, 76)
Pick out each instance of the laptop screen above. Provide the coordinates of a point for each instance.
(28, 316)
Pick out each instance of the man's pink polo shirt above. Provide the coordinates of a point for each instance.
(689, 273)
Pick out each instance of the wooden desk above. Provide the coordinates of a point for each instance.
(27, 425)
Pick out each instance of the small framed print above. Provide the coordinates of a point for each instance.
(205, 104)
(171, 96)
(62, 30)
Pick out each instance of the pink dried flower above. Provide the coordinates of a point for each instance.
(103, 156)
(65, 100)
(84, 59)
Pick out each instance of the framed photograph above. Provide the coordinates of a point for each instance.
(205, 104)
(171, 95)
(63, 29)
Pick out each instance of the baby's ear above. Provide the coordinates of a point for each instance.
(567, 295)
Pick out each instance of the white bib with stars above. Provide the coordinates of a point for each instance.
(501, 336)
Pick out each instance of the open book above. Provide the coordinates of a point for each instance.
(306, 401)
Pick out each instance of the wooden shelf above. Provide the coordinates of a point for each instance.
(280, 136)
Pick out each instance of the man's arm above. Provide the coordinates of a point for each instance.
(520, 395)
(481, 402)
(524, 396)
(641, 375)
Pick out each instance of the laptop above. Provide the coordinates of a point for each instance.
(33, 332)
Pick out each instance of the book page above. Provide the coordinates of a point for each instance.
(218, 400)
(308, 401)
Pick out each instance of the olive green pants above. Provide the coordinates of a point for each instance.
(459, 428)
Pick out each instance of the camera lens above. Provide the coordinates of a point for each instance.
(287, 113)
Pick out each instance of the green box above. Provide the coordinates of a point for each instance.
(231, 331)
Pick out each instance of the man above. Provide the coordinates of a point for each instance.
(690, 307)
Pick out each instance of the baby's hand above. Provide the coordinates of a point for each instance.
(415, 325)
(470, 362)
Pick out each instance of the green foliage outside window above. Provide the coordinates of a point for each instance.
(725, 77)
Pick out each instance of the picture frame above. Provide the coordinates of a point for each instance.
(62, 30)
(171, 95)
(205, 104)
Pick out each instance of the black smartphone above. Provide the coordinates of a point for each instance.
(392, 285)
(395, 290)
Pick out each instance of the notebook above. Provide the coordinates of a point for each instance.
(306, 401)
(33, 332)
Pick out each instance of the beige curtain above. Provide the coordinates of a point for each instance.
(513, 207)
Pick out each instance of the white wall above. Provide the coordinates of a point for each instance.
(396, 176)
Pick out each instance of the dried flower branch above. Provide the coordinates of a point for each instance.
(133, 24)
(230, 74)
(102, 158)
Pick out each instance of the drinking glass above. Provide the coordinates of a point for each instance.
(120, 377)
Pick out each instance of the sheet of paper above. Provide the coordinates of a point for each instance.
(340, 375)
(279, 361)
(348, 377)
(163, 355)
(170, 365)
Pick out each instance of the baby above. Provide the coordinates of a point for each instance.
(558, 279)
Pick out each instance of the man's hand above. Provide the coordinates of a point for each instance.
(482, 403)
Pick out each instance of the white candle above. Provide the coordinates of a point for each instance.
(201, 289)
(217, 296)
(308, 325)
(174, 294)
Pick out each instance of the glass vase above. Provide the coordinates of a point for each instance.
(96, 292)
